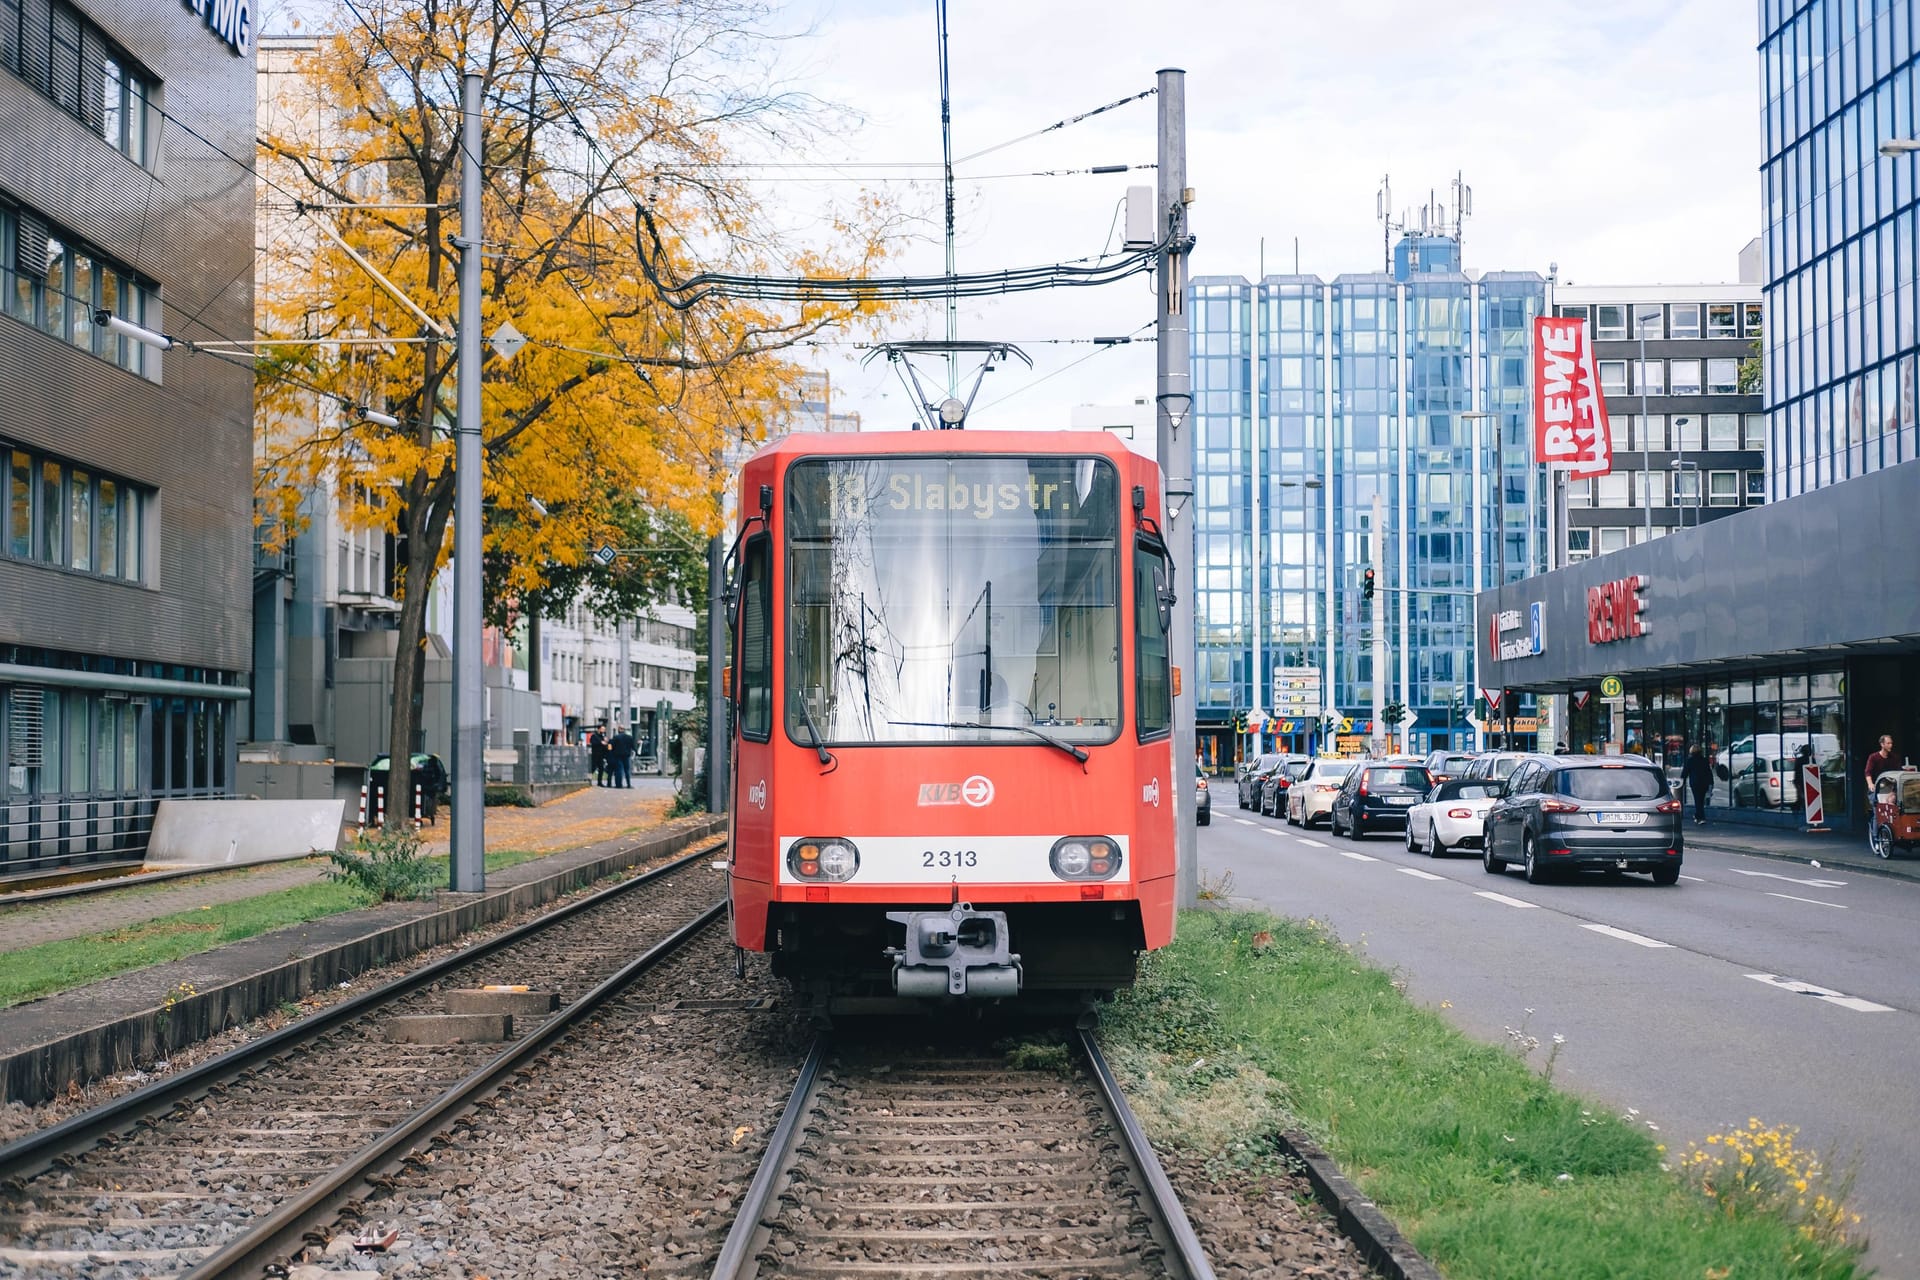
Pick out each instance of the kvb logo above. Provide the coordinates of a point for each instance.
(757, 795)
(1150, 794)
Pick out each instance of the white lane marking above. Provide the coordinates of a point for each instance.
(1273, 831)
(1769, 875)
(1357, 857)
(1827, 994)
(1695, 879)
(1815, 901)
(1246, 822)
(1637, 939)
(1415, 871)
(1503, 899)
(1311, 844)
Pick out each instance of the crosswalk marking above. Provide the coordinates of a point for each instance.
(1637, 939)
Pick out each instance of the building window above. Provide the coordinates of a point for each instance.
(1648, 320)
(56, 285)
(1613, 377)
(1723, 431)
(1686, 432)
(1579, 545)
(1723, 377)
(1752, 325)
(1723, 488)
(1612, 539)
(1686, 377)
(68, 516)
(1569, 312)
(1686, 488)
(1653, 488)
(1756, 431)
(1756, 487)
(1579, 493)
(70, 60)
(1612, 490)
(1650, 377)
(1683, 320)
(1610, 321)
(1723, 320)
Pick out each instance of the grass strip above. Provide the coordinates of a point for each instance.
(52, 967)
(1250, 1023)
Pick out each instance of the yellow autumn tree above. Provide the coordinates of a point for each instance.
(616, 399)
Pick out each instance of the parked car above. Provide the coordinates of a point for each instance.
(1770, 784)
(1561, 813)
(1446, 765)
(1272, 797)
(1251, 772)
(428, 772)
(1202, 802)
(1377, 796)
(1311, 795)
(1452, 816)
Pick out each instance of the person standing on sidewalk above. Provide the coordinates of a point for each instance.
(621, 752)
(597, 756)
(1698, 775)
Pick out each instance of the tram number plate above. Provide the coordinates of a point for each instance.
(949, 858)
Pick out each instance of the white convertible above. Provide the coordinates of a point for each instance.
(1453, 816)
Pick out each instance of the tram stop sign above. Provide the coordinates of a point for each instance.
(1611, 687)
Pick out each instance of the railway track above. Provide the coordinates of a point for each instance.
(218, 1171)
(937, 1165)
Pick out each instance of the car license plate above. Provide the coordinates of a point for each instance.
(1620, 864)
(1399, 799)
(1620, 819)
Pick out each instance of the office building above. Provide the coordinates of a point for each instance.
(1787, 634)
(124, 562)
(1312, 399)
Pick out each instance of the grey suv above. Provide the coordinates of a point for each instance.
(1600, 813)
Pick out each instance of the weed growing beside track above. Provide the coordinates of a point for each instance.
(50, 967)
(1251, 1024)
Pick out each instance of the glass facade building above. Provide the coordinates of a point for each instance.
(1842, 279)
(1311, 399)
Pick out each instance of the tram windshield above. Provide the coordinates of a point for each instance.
(952, 600)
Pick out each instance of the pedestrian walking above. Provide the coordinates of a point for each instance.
(1698, 775)
(620, 752)
(597, 754)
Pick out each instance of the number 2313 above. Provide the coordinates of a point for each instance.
(950, 858)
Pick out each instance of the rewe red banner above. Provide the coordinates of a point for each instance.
(1569, 412)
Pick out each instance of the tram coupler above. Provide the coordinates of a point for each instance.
(957, 952)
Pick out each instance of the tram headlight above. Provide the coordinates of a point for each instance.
(1085, 858)
(824, 860)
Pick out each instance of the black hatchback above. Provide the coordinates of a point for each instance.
(1600, 813)
(1376, 797)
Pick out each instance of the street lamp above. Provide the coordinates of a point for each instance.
(1476, 417)
(1640, 324)
(1899, 146)
(1681, 467)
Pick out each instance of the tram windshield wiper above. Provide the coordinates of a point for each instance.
(813, 730)
(1078, 753)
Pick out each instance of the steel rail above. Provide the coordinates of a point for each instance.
(37, 1152)
(735, 1254)
(1189, 1258)
(252, 1252)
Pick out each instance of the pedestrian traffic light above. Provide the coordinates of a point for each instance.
(1366, 589)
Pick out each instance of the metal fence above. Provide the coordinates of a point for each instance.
(556, 763)
(41, 835)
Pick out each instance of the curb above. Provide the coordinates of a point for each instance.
(38, 1072)
(1381, 1243)
(1874, 868)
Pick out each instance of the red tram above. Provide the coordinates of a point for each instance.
(951, 716)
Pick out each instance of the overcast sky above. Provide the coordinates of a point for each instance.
(1618, 139)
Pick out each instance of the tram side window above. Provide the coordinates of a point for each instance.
(1153, 684)
(756, 641)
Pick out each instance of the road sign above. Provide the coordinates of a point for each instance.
(1493, 697)
(1581, 698)
(605, 555)
(1611, 687)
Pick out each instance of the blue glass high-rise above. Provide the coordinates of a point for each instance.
(1312, 397)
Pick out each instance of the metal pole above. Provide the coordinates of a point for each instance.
(467, 867)
(1173, 409)
(1646, 432)
(1379, 558)
(719, 747)
(622, 714)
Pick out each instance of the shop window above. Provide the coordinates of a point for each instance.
(1683, 320)
(1723, 320)
(1723, 488)
(1686, 377)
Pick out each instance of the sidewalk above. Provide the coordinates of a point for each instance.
(1839, 849)
(583, 818)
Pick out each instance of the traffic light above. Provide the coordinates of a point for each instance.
(1366, 585)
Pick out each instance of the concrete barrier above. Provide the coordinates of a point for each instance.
(237, 832)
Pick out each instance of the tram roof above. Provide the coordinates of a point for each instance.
(804, 444)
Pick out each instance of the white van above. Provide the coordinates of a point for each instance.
(1760, 767)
